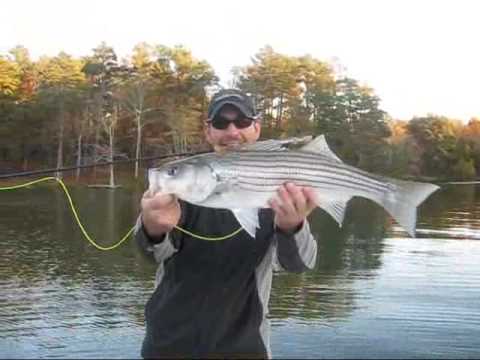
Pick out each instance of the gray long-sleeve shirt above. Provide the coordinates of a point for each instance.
(211, 297)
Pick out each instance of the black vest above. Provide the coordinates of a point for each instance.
(207, 303)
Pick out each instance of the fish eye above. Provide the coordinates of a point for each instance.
(172, 171)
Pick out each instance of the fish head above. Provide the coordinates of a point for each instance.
(192, 180)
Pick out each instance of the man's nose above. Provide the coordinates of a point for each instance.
(232, 129)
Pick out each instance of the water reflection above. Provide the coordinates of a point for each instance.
(61, 297)
(57, 288)
(345, 254)
(453, 212)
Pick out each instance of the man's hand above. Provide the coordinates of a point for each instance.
(160, 213)
(292, 207)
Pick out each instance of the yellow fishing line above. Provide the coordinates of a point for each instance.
(84, 232)
(209, 238)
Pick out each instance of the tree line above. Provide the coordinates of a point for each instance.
(63, 110)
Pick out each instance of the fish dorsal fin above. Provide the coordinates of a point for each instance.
(275, 144)
(248, 218)
(319, 145)
(268, 145)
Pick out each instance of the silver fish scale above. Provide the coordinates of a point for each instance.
(247, 179)
(267, 170)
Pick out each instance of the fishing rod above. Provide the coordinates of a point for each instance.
(106, 163)
(127, 235)
(75, 212)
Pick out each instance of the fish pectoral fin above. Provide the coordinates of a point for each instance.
(248, 219)
(335, 208)
(319, 145)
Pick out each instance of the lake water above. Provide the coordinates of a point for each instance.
(375, 293)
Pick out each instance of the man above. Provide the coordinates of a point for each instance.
(211, 297)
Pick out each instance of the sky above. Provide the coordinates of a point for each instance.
(419, 56)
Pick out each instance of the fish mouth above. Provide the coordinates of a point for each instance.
(154, 189)
(153, 185)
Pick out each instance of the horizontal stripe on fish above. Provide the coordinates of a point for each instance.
(331, 183)
(293, 158)
(262, 176)
(339, 179)
(314, 170)
(244, 180)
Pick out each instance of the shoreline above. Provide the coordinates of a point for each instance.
(122, 181)
(126, 180)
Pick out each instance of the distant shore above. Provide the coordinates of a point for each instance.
(125, 179)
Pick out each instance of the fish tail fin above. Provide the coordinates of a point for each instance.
(403, 203)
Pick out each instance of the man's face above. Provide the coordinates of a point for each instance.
(231, 137)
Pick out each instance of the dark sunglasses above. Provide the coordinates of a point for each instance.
(221, 123)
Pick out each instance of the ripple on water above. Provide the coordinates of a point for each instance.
(392, 297)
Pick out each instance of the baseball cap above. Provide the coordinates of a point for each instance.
(234, 97)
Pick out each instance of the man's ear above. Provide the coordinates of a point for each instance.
(258, 127)
(206, 131)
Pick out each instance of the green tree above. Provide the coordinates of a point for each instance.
(28, 73)
(60, 79)
(180, 82)
(285, 89)
(138, 94)
(106, 77)
(270, 79)
(9, 90)
(17, 109)
(356, 125)
(404, 159)
(464, 164)
(9, 78)
(471, 136)
(437, 138)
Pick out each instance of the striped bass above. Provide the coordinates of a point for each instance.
(244, 180)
